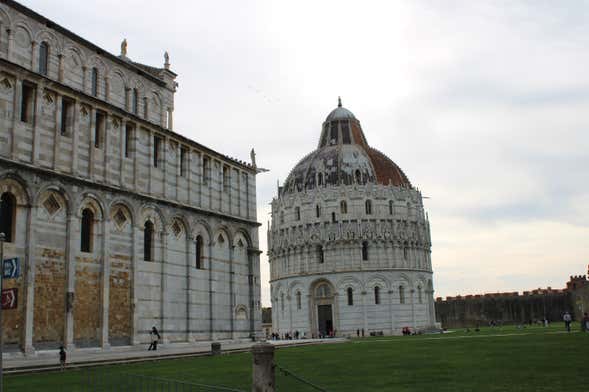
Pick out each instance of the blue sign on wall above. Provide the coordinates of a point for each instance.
(11, 268)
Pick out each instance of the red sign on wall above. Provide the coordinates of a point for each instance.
(9, 298)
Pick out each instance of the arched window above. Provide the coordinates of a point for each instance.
(405, 251)
(365, 250)
(135, 102)
(87, 230)
(43, 58)
(8, 216)
(323, 291)
(350, 296)
(298, 300)
(148, 231)
(333, 220)
(320, 179)
(282, 301)
(297, 213)
(343, 206)
(94, 81)
(198, 252)
(419, 295)
(318, 210)
(320, 254)
(401, 294)
(358, 176)
(377, 295)
(368, 207)
(391, 207)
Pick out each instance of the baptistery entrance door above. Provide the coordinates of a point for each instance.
(323, 309)
(324, 319)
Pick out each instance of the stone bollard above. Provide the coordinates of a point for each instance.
(215, 348)
(263, 379)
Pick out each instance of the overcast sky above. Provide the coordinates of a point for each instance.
(485, 106)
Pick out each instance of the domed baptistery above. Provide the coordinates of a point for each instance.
(349, 245)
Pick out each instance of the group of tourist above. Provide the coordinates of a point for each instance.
(568, 319)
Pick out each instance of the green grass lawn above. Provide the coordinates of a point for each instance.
(494, 359)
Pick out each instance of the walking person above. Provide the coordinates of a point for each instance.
(155, 337)
(585, 323)
(62, 358)
(567, 321)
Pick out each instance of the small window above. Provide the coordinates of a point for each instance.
(365, 250)
(320, 179)
(148, 231)
(67, 116)
(333, 133)
(419, 295)
(333, 220)
(377, 295)
(405, 251)
(99, 129)
(358, 177)
(94, 81)
(43, 58)
(135, 101)
(205, 170)
(343, 207)
(183, 162)
(27, 103)
(128, 139)
(368, 207)
(320, 254)
(401, 294)
(297, 213)
(298, 295)
(345, 133)
(198, 253)
(350, 296)
(318, 210)
(86, 231)
(391, 207)
(8, 216)
(157, 141)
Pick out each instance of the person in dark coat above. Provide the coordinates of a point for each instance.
(155, 337)
(62, 358)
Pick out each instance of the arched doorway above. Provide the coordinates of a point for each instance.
(323, 308)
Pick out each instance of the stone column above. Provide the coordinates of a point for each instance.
(29, 282)
(10, 50)
(151, 144)
(34, 56)
(135, 290)
(365, 318)
(164, 165)
(135, 153)
(36, 120)
(164, 285)
(188, 164)
(392, 315)
(84, 81)
(123, 144)
(75, 138)
(107, 126)
(231, 288)
(106, 89)
(73, 238)
(92, 138)
(15, 117)
(60, 68)
(105, 280)
(190, 240)
(263, 379)
(210, 266)
(57, 130)
(412, 291)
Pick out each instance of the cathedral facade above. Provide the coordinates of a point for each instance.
(118, 222)
(349, 244)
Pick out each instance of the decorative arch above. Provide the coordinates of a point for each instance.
(94, 203)
(51, 202)
(13, 183)
(121, 214)
(202, 228)
(152, 213)
(378, 280)
(241, 312)
(224, 233)
(5, 20)
(350, 281)
(51, 38)
(179, 222)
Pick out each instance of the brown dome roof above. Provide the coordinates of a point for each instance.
(343, 157)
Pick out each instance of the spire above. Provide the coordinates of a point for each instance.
(339, 102)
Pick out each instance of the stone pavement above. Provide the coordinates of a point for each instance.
(45, 360)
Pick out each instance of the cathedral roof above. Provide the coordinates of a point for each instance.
(343, 157)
